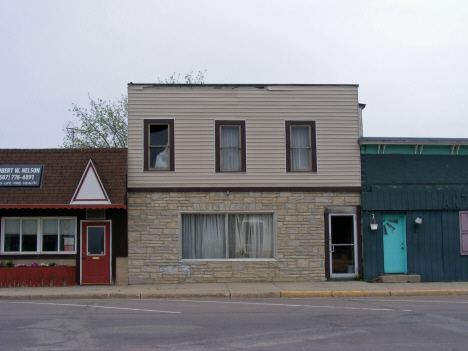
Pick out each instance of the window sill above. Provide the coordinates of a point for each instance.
(228, 259)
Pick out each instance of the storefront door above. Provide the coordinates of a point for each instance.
(95, 252)
(394, 243)
(342, 245)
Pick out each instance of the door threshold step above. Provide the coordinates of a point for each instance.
(399, 278)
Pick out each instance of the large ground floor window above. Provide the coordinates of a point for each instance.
(228, 236)
(39, 235)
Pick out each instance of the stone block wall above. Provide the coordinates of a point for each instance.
(153, 236)
(121, 271)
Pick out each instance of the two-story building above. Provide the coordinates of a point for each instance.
(243, 183)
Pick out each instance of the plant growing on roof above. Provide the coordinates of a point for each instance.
(104, 125)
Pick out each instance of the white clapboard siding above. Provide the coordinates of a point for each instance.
(334, 108)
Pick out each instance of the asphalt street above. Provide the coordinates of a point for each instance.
(388, 323)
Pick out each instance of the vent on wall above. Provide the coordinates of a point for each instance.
(95, 214)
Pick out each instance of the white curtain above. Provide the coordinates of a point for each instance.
(203, 236)
(230, 148)
(251, 236)
(162, 159)
(300, 147)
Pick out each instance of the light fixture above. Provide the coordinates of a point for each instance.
(373, 223)
(418, 220)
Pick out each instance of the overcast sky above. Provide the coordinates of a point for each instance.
(410, 58)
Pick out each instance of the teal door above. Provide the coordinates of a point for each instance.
(394, 244)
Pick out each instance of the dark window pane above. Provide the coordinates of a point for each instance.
(29, 243)
(342, 229)
(49, 242)
(159, 134)
(95, 240)
(12, 242)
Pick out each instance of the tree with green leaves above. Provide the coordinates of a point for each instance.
(104, 125)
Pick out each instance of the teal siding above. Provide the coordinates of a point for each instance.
(434, 187)
(433, 247)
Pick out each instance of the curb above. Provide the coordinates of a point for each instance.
(234, 295)
(449, 292)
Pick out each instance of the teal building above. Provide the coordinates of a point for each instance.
(415, 207)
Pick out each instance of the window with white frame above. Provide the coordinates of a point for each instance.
(228, 236)
(39, 235)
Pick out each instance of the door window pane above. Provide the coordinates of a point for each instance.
(95, 240)
(343, 259)
(342, 244)
(342, 229)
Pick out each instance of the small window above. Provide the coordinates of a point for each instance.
(159, 145)
(230, 146)
(301, 153)
(39, 235)
(95, 214)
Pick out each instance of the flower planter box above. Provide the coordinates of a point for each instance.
(37, 276)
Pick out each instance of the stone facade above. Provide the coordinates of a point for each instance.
(153, 236)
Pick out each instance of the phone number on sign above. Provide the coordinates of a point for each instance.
(16, 177)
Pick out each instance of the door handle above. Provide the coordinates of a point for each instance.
(332, 248)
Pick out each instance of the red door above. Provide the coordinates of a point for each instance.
(95, 253)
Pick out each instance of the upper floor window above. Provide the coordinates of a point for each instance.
(159, 145)
(301, 153)
(230, 146)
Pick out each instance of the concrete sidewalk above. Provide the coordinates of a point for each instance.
(239, 290)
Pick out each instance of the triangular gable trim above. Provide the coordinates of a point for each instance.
(90, 189)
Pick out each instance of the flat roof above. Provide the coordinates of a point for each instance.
(239, 85)
(412, 141)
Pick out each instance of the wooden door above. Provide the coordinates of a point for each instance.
(95, 252)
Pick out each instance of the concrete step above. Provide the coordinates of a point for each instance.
(400, 278)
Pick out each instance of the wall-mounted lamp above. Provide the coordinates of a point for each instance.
(418, 220)
(373, 223)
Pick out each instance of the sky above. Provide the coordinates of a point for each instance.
(410, 58)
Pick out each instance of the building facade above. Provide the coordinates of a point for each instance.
(65, 207)
(415, 196)
(243, 183)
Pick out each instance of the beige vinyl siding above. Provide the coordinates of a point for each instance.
(194, 109)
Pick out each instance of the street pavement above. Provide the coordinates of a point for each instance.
(239, 290)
